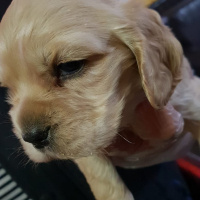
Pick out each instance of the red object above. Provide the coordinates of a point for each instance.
(189, 167)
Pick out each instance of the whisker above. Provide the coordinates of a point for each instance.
(11, 136)
(5, 122)
(27, 162)
(105, 151)
(22, 162)
(17, 153)
(125, 139)
(34, 165)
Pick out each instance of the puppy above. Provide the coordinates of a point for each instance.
(76, 72)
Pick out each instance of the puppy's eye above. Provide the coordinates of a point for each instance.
(68, 69)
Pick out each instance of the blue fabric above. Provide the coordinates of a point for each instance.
(162, 182)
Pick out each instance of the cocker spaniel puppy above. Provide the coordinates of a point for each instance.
(84, 75)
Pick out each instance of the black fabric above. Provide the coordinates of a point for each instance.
(183, 17)
(3, 6)
(63, 181)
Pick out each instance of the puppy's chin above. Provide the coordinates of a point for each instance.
(47, 154)
(34, 154)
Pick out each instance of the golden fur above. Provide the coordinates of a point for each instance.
(131, 56)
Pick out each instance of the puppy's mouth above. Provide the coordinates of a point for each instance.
(41, 145)
(41, 139)
(47, 143)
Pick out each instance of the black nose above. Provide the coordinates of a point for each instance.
(38, 137)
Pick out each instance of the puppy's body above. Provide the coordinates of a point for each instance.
(129, 56)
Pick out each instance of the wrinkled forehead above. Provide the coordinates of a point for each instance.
(27, 17)
(38, 30)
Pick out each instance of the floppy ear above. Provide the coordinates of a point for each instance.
(157, 52)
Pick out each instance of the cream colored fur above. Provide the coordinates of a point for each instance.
(131, 56)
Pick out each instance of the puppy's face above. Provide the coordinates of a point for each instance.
(68, 75)
(62, 76)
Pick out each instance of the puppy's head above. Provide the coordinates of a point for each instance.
(71, 65)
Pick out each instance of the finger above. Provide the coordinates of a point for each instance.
(157, 124)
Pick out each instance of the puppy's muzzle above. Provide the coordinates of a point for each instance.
(38, 137)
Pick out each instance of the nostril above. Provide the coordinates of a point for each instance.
(37, 136)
